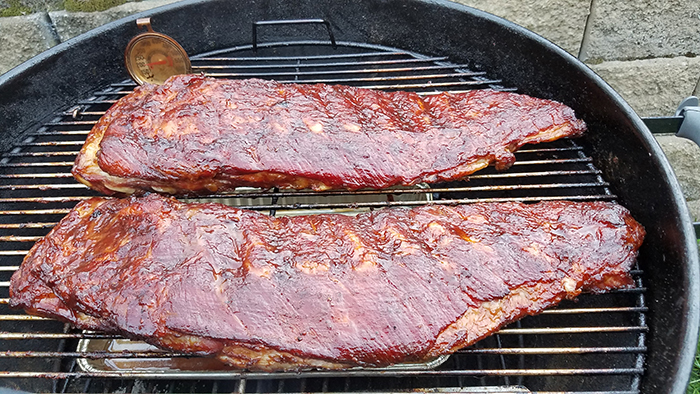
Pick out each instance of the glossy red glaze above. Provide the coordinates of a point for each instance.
(382, 287)
(198, 134)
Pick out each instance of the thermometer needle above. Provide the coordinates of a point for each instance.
(168, 61)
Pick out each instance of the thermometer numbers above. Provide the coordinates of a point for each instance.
(142, 64)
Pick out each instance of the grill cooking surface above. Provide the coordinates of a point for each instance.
(594, 344)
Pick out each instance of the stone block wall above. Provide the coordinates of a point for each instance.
(647, 50)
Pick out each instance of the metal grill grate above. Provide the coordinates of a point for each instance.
(594, 344)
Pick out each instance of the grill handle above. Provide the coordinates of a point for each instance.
(685, 123)
(291, 22)
(690, 127)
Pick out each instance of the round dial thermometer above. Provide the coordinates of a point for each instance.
(154, 57)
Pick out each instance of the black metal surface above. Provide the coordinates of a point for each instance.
(618, 143)
(663, 124)
(324, 22)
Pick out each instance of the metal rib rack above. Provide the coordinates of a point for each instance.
(595, 344)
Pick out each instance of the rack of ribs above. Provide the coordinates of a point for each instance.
(199, 135)
(326, 291)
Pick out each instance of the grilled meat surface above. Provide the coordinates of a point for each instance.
(199, 135)
(325, 291)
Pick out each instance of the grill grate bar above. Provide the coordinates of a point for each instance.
(553, 161)
(61, 211)
(36, 175)
(571, 330)
(99, 101)
(54, 186)
(45, 335)
(306, 57)
(43, 200)
(569, 311)
(359, 79)
(632, 290)
(126, 84)
(296, 73)
(22, 318)
(535, 174)
(531, 149)
(40, 154)
(103, 354)
(38, 164)
(321, 374)
(409, 86)
(554, 350)
(5, 226)
(348, 64)
(70, 123)
(16, 238)
(52, 143)
(13, 252)
(452, 91)
(77, 111)
(59, 133)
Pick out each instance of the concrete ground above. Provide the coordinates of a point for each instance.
(645, 49)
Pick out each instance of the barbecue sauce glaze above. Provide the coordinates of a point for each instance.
(327, 291)
(201, 135)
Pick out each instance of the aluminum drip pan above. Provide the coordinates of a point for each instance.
(176, 365)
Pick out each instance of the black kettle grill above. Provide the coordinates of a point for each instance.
(640, 340)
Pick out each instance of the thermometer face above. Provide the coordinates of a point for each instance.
(153, 58)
